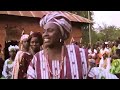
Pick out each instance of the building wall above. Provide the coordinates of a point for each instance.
(27, 24)
(18, 24)
(11, 28)
(76, 34)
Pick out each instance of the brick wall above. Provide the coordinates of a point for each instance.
(76, 34)
(18, 24)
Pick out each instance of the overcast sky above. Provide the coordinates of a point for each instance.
(107, 17)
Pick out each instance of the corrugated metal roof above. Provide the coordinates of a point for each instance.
(39, 14)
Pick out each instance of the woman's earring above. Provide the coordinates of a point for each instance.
(60, 40)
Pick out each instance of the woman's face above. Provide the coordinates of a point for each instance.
(25, 43)
(12, 53)
(35, 44)
(51, 35)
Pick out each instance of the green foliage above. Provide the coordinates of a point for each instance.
(105, 33)
(115, 66)
(110, 33)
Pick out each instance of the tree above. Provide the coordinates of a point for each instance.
(106, 33)
(109, 32)
(83, 14)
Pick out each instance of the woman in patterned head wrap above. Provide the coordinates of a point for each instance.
(56, 60)
(22, 59)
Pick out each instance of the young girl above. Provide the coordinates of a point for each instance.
(8, 65)
(36, 42)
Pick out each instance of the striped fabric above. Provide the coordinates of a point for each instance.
(84, 63)
(98, 73)
(74, 66)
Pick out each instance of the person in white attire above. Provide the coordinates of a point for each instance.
(8, 65)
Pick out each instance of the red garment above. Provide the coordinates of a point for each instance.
(99, 56)
(26, 59)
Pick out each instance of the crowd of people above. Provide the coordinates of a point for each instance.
(15, 67)
(101, 59)
(46, 56)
